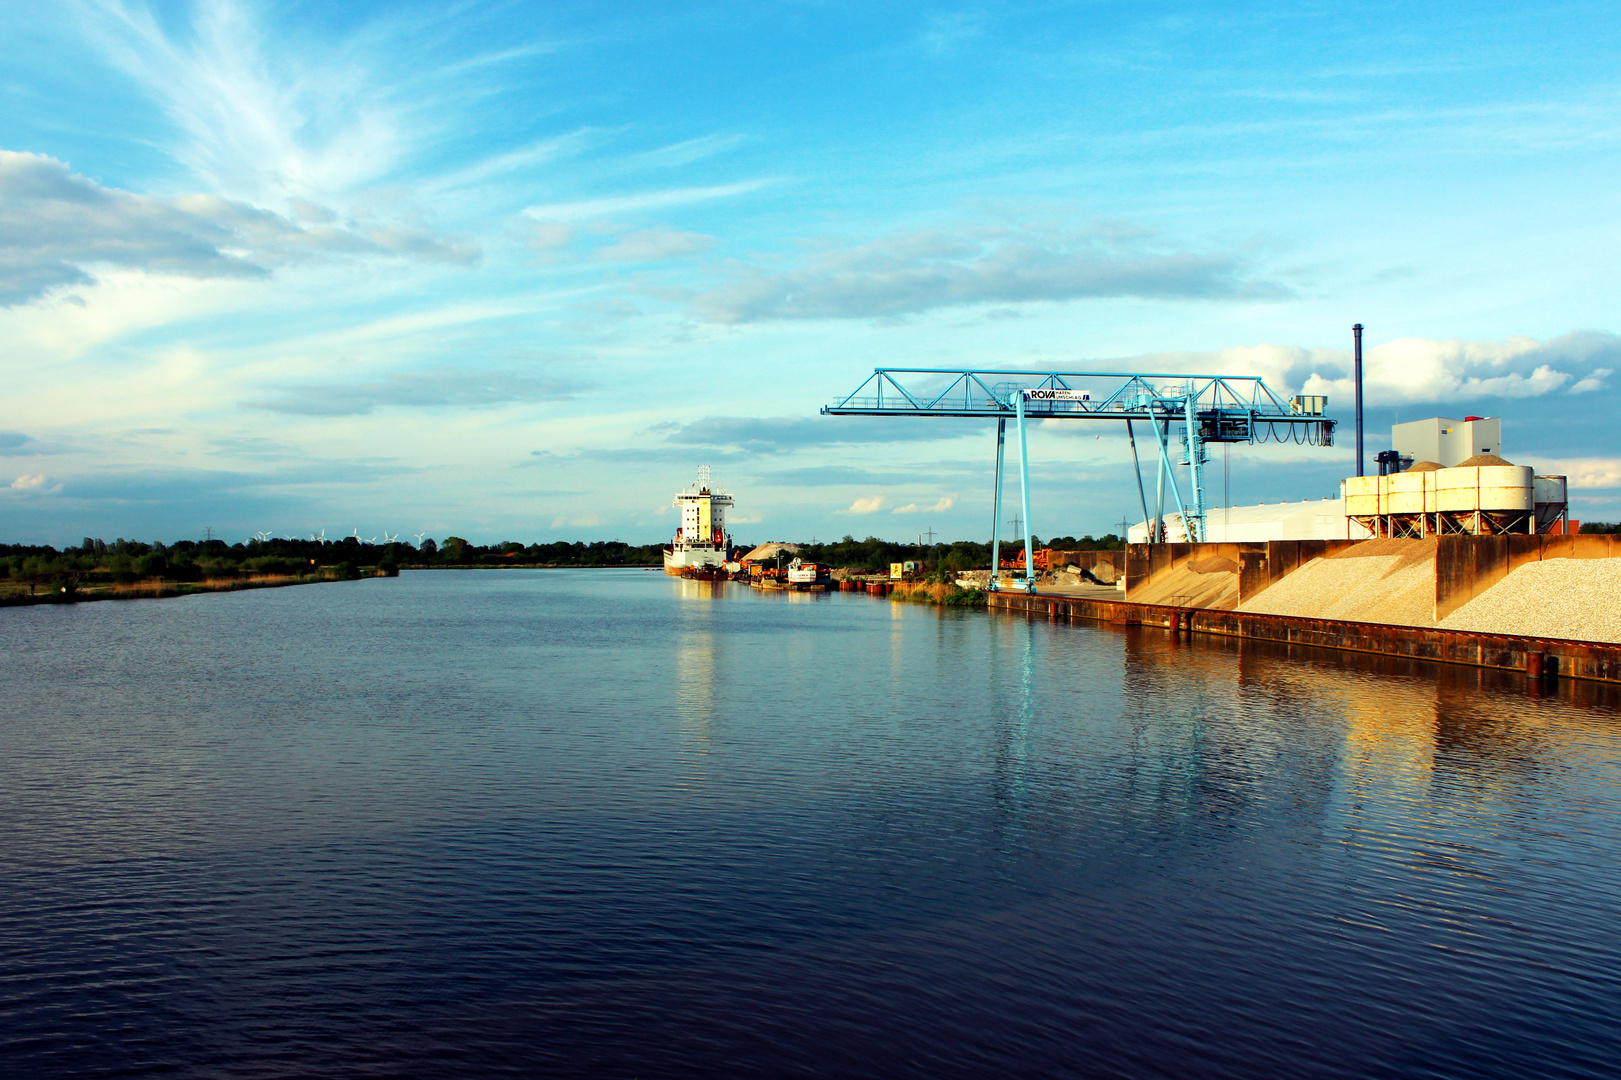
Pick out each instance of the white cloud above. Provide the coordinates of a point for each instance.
(1412, 370)
(1583, 472)
(1426, 369)
(1595, 381)
(30, 483)
(869, 505)
(938, 507)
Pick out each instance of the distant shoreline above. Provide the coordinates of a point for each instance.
(154, 589)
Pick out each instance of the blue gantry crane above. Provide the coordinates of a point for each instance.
(1209, 409)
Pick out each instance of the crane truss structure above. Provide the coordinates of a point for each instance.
(1208, 408)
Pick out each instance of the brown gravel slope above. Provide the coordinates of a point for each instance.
(1216, 588)
(1377, 581)
(1579, 599)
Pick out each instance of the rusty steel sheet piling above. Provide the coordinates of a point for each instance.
(1538, 658)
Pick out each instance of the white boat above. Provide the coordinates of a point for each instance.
(701, 544)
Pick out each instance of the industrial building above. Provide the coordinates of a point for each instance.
(1440, 476)
(1317, 519)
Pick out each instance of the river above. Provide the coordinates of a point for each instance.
(608, 823)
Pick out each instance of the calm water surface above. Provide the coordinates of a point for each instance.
(612, 824)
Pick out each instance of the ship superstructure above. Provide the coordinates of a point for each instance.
(701, 541)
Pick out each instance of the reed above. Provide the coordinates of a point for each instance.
(938, 593)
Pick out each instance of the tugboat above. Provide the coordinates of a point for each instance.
(701, 544)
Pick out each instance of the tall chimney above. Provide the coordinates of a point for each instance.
(1356, 331)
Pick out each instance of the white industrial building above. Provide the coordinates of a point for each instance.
(1446, 442)
(1320, 519)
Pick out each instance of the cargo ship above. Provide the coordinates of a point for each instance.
(701, 544)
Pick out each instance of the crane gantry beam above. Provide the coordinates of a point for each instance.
(1210, 408)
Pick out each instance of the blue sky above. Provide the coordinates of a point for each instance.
(515, 270)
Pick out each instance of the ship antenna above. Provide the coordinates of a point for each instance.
(703, 474)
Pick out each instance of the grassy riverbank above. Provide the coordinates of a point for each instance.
(14, 594)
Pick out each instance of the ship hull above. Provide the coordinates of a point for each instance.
(683, 559)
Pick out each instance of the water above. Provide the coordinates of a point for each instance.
(612, 824)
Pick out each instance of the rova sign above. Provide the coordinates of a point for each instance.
(1058, 395)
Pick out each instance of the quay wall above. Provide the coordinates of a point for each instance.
(1536, 657)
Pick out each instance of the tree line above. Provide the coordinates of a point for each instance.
(123, 561)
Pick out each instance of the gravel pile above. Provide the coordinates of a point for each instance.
(1187, 587)
(1381, 581)
(1558, 598)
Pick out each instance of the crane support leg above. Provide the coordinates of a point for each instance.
(1162, 432)
(1024, 496)
(1195, 445)
(1137, 467)
(996, 504)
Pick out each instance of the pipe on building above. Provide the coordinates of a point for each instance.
(1356, 333)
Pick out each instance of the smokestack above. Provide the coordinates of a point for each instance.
(1356, 332)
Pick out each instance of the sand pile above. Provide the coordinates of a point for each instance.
(1377, 581)
(1557, 598)
(1211, 582)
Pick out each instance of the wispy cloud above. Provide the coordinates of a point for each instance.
(645, 200)
(653, 245)
(258, 123)
(57, 226)
(452, 388)
(911, 272)
(780, 434)
(686, 152)
(869, 504)
(528, 157)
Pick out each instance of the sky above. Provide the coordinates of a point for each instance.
(514, 271)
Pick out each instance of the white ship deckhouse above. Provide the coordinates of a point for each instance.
(701, 540)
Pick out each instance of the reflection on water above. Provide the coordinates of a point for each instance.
(695, 659)
(609, 823)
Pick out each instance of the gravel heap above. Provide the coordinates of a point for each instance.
(1557, 598)
(1379, 581)
(1216, 587)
